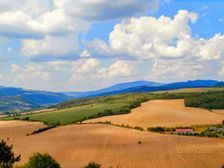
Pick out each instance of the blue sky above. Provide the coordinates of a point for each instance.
(86, 45)
(208, 24)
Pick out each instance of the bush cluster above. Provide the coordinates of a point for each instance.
(7, 156)
(138, 128)
(156, 129)
(45, 128)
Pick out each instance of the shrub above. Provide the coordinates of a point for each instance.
(125, 110)
(138, 128)
(43, 129)
(156, 129)
(108, 122)
(41, 161)
(7, 156)
(93, 165)
(107, 112)
(135, 104)
(5, 165)
(26, 118)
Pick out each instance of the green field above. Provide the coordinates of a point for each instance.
(81, 109)
(71, 115)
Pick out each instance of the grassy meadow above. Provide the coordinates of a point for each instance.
(70, 115)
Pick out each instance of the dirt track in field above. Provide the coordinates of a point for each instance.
(76, 145)
(167, 113)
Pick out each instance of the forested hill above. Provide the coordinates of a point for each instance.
(18, 99)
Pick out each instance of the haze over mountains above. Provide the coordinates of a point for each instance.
(114, 88)
(18, 99)
(145, 86)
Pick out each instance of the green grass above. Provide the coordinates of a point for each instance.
(71, 115)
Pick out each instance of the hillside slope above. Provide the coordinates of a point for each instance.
(114, 146)
(17, 99)
(165, 113)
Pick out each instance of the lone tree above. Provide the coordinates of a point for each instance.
(39, 160)
(93, 165)
(7, 156)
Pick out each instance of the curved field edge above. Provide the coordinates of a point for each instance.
(79, 110)
(163, 113)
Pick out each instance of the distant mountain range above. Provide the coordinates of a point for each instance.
(144, 86)
(18, 99)
(114, 88)
(220, 84)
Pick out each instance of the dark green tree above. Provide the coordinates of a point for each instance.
(39, 160)
(93, 165)
(7, 156)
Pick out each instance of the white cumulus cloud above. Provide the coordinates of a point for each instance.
(123, 68)
(40, 22)
(164, 37)
(50, 46)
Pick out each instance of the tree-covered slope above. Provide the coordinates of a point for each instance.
(209, 100)
(9, 104)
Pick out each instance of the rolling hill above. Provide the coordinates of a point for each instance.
(18, 99)
(78, 110)
(76, 145)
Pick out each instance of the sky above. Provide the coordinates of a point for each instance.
(77, 45)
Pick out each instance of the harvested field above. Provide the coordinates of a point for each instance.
(76, 145)
(219, 112)
(17, 129)
(167, 113)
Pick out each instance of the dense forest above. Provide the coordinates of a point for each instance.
(209, 100)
